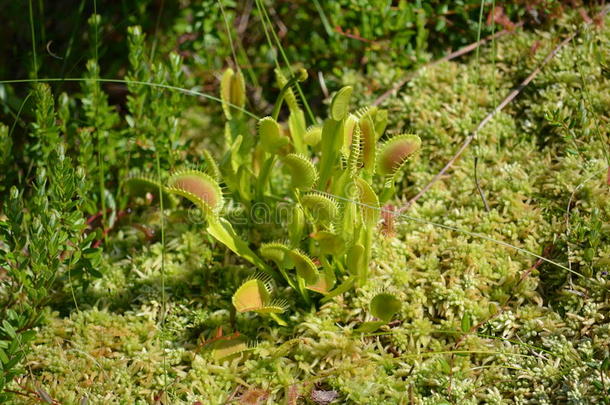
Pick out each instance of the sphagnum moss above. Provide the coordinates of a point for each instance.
(545, 339)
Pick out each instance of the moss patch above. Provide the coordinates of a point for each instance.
(543, 333)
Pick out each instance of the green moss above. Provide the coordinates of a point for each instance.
(545, 346)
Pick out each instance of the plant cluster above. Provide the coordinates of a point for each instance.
(297, 202)
(323, 245)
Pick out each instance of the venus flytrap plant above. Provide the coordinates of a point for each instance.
(329, 172)
(339, 241)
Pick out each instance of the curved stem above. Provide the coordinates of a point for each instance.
(280, 98)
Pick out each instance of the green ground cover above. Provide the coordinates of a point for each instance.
(480, 322)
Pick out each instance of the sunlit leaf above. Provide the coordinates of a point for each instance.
(340, 103)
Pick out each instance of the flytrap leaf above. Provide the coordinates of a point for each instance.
(340, 103)
(356, 260)
(278, 253)
(140, 186)
(303, 173)
(370, 202)
(255, 295)
(326, 281)
(232, 91)
(351, 122)
(368, 138)
(395, 152)
(199, 188)
(384, 306)
(291, 100)
(270, 135)
(355, 152)
(251, 296)
(296, 226)
(381, 121)
(297, 127)
(204, 192)
(322, 209)
(223, 231)
(229, 347)
(330, 147)
(306, 269)
(211, 166)
(347, 285)
(313, 135)
(329, 243)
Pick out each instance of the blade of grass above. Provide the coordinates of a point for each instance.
(33, 31)
(16, 116)
(123, 81)
(325, 23)
(153, 47)
(243, 52)
(229, 35)
(163, 297)
(100, 159)
(68, 53)
(266, 20)
(477, 150)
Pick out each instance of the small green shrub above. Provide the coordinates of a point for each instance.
(43, 246)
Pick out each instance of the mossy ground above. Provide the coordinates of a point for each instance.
(544, 331)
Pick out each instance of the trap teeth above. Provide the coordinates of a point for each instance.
(302, 172)
(395, 152)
